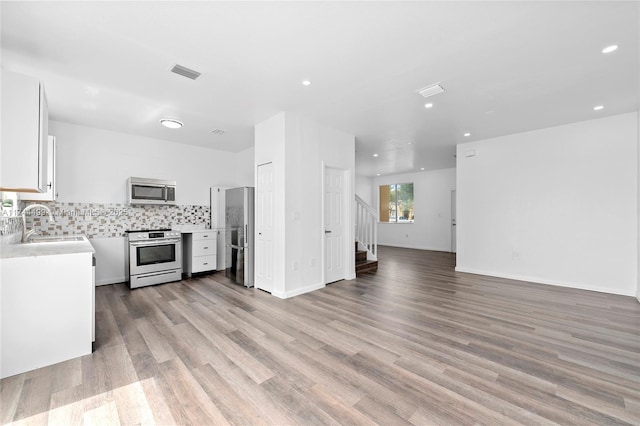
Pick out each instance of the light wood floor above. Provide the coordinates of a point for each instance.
(414, 343)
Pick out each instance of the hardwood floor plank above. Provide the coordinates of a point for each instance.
(35, 397)
(301, 410)
(10, 391)
(160, 347)
(106, 414)
(132, 405)
(157, 402)
(119, 366)
(190, 394)
(336, 406)
(67, 407)
(413, 343)
(235, 408)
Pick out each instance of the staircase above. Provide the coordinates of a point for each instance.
(362, 264)
(366, 244)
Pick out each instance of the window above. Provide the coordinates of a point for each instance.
(396, 203)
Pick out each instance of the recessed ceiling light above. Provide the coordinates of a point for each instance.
(170, 123)
(428, 105)
(409, 143)
(306, 82)
(610, 49)
(421, 168)
(598, 108)
(375, 155)
(467, 134)
(377, 174)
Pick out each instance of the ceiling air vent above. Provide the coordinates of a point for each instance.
(185, 72)
(434, 89)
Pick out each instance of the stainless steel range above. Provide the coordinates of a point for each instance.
(153, 256)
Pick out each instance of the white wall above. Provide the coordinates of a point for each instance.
(94, 164)
(245, 169)
(299, 149)
(638, 184)
(431, 229)
(365, 190)
(556, 206)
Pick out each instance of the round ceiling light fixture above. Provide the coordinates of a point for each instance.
(466, 135)
(171, 123)
(610, 49)
(428, 105)
(375, 155)
(598, 108)
(306, 82)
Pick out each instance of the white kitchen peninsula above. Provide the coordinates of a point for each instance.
(46, 302)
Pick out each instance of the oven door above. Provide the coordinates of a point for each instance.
(153, 256)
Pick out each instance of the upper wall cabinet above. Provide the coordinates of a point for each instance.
(52, 193)
(23, 148)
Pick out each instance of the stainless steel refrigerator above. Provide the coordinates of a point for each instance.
(239, 219)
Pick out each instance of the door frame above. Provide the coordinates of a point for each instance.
(453, 223)
(347, 223)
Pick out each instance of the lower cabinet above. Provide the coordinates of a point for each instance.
(199, 251)
(45, 310)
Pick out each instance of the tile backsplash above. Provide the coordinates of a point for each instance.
(111, 220)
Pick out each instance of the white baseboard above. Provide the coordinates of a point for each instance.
(417, 247)
(539, 280)
(110, 280)
(297, 292)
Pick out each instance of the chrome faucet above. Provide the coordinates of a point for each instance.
(26, 235)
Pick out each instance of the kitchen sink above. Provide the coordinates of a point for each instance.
(59, 239)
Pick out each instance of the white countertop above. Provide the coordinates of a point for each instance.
(46, 248)
(187, 229)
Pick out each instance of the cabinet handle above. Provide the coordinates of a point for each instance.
(205, 236)
(50, 185)
(206, 248)
(205, 263)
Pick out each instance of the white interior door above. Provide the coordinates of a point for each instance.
(334, 225)
(453, 222)
(264, 220)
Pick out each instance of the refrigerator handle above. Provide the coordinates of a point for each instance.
(246, 228)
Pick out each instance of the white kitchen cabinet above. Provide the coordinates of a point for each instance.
(199, 251)
(51, 194)
(23, 150)
(46, 310)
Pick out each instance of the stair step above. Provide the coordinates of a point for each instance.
(361, 255)
(366, 266)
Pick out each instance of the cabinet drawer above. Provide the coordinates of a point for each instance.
(203, 263)
(204, 235)
(204, 247)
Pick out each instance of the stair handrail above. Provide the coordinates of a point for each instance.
(367, 228)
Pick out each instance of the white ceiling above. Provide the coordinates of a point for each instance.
(507, 67)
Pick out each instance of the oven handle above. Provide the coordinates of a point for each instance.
(153, 243)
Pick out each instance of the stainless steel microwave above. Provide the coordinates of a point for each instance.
(151, 191)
